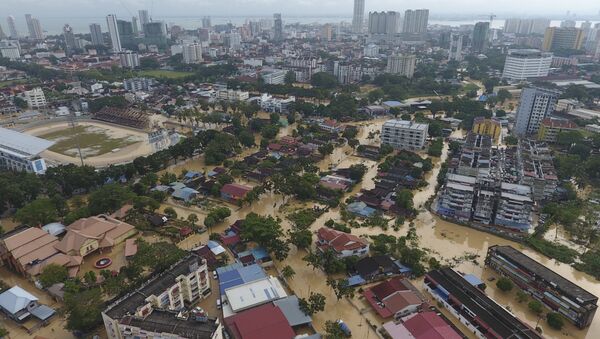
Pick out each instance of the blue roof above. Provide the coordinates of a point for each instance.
(212, 244)
(259, 253)
(473, 280)
(356, 280)
(192, 174)
(360, 208)
(402, 268)
(239, 275)
(185, 193)
(392, 103)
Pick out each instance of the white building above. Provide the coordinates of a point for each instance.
(522, 64)
(252, 294)
(192, 53)
(35, 98)
(129, 59)
(20, 152)
(358, 16)
(270, 104)
(371, 50)
(535, 105)
(232, 95)
(402, 65)
(10, 49)
(456, 43)
(415, 21)
(138, 84)
(274, 77)
(113, 31)
(402, 134)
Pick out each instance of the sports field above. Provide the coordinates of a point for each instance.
(164, 74)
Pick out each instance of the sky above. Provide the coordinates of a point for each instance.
(169, 8)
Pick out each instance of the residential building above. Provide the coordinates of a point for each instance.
(96, 35)
(192, 53)
(371, 50)
(425, 325)
(277, 28)
(488, 126)
(113, 32)
(35, 98)
(384, 23)
(551, 127)
(135, 25)
(144, 18)
(515, 206)
(395, 298)
(557, 38)
(526, 26)
(456, 43)
(358, 16)
(269, 103)
(129, 59)
(480, 40)
(126, 35)
(69, 37)
(534, 106)
(10, 49)
(155, 33)
(138, 84)
(2, 34)
(481, 315)
(342, 244)
(19, 305)
(274, 76)
(475, 156)
(234, 192)
(206, 22)
(233, 95)
(160, 307)
(402, 134)
(34, 27)
(551, 289)
(537, 169)
(402, 65)
(415, 21)
(523, 64)
(12, 28)
(456, 197)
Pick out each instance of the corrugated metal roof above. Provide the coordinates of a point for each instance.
(23, 143)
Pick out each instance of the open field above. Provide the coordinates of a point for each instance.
(164, 74)
(93, 141)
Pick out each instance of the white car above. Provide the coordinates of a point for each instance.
(218, 304)
(215, 276)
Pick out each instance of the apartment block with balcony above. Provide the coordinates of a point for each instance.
(515, 205)
(402, 134)
(456, 199)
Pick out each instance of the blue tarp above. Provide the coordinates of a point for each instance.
(473, 280)
(356, 280)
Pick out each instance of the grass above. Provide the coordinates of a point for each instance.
(92, 142)
(160, 73)
(12, 82)
(470, 87)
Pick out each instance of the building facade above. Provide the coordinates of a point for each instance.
(402, 134)
(522, 64)
(557, 38)
(402, 65)
(113, 31)
(20, 152)
(490, 127)
(192, 53)
(358, 16)
(96, 35)
(415, 21)
(534, 106)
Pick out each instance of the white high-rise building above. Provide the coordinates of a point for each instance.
(456, 43)
(113, 31)
(192, 53)
(129, 59)
(69, 38)
(535, 105)
(403, 134)
(358, 16)
(12, 27)
(34, 27)
(522, 64)
(144, 17)
(29, 21)
(136, 26)
(35, 98)
(384, 23)
(2, 34)
(415, 21)
(371, 50)
(96, 34)
(401, 65)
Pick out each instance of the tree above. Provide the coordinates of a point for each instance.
(313, 259)
(90, 278)
(301, 238)
(511, 140)
(536, 307)
(3, 332)
(288, 272)
(267, 232)
(504, 284)
(404, 199)
(326, 149)
(314, 304)
(375, 95)
(170, 213)
(246, 138)
(109, 198)
(192, 219)
(521, 296)
(341, 288)
(324, 80)
(39, 212)
(333, 330)
(52, 274)
(503, 95)
(555, 320)
(216, 215)
(84, 309)
(290, 77)
(20, 102)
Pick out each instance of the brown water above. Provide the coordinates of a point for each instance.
(446, 239)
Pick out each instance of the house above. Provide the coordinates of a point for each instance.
(266, 321)
(396, 298)
(185, 194)
(205, 253)
(18, 304)
(425, 325)
(335, 182)
(88, 235)
(191, 176)
(360, 208)
(234, 192)
(370, 268)
(342, 244)
(331, 125)
(249, 295)
(216, 172)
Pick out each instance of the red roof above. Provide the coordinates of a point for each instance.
(266, 321)
(386, 288)
(559, 123)
(340, 241)
(235, 190)
(428, 325)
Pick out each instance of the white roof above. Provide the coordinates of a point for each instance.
(460, 187)
(254, 293)
(16, 299)
(462, 178)
(22, 143)
(395, 123)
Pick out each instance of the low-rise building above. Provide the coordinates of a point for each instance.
(19, 305)
(35, 98)
(514, 207)
(426, 325)
(138, 84)
(488, 126)
(234, 192)
(555, 292)
(551, 127)
(255, 293)
(274, 76)
(21, 152)
(268, 103)
(456, 198)
(395, 298)
(342, 244)
(232, 95)
(402, 134)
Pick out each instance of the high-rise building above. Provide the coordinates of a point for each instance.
(539, 26)
(29, 21)
(358, 16)
(234, 40)
(126, 35)
(129, 59)
(12, 28)
(526, 26)
(96, 35)
(206, 22)
(192, 53)
(456, 43)
(401, 65)
(523, 64)
(568, 24)
(69, 38)
(557, 38)
(155, 33)
(327, 32)
(144, 17)
(384, 23)
(2, 34)
(415, 21)
(113, 31)
(34, 27)
(135, 25)
(535, 105)
(277, 28)
(480, 37)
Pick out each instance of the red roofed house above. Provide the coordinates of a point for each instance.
(266, 321)
(426, 325)
(343, 244)
(234, 192)
(396, 297)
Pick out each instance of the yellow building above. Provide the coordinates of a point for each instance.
(556, 38)
(551, 127)
(491, 127)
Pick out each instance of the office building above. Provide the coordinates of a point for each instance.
(488, 126)
(402, 65)
(129, 59)
(415, 21)
(534, 106)
(69, 37)
(206, 22)
(20, 152)
(480, 314)
(480, 39)
(159, 308)
(138, 84)
(358, 17)
(277, 28)
(144, 18)
(113, 31)
(155, 33)
(524, 64)
(96, 35)
(557, 38)
(126, 35)
(402, 134)
(456, 43)
(12, 27)
(135, 25)
(551, 289)
(384, 23)
(192, 53)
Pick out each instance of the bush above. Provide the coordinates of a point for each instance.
(536, 307)
(555, 320)
(504, 284)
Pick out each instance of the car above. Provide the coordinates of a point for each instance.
(218, 304)
(215, 276)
